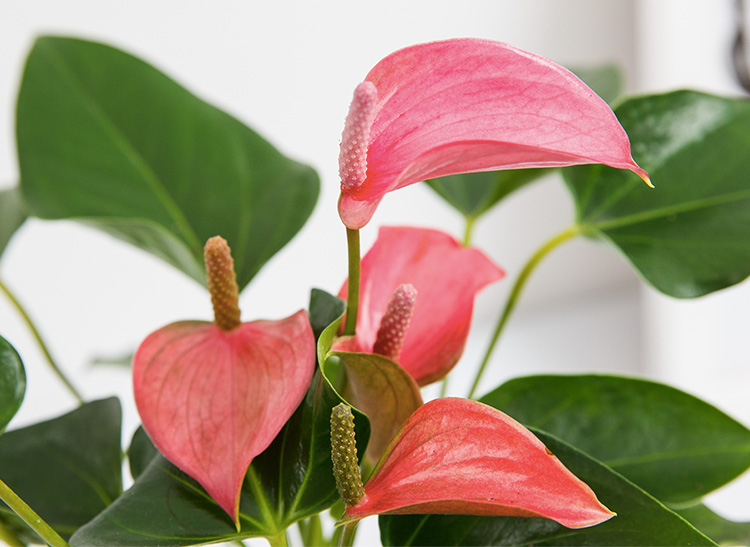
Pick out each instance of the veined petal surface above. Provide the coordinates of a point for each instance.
(467, 105)
(457, 456)
(211, 400)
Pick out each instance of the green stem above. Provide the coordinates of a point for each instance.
(311, 531)
(516, 292)
(352, 298)
(347, 536)
(28, 515)
(468, 231)
(42, 345)
(278, 541)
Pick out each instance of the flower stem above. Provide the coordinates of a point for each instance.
(42, 345)
(516, 292)
(9, 537)
(28, 515)
(347, 537)
(468, 230)
(352, 291)
(278, 541)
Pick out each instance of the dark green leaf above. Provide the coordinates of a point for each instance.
(140, 453)
(12, 215)
(721, 530)
(67, 469)
(291, 480)
(473, 194)
(12, 382)
(640, 520)
(107, 139)
(689, 235)
(605, 80)
(324, 310)
(669, 443)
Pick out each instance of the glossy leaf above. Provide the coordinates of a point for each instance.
(457, 456)
(140, 452)
(688, 236)
(67, 469)
(12, 383)
(468, 105)
(138, 156)
(473, 194)
(641, 519)
(211, 400)
(12, 215)
(291, 480)
(721, 530)
(671, 444)
(446, 275)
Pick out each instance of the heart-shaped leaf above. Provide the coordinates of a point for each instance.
(137, 155)
(289, 481)
(12, 215)
(688, 236)
(12, 382)
(67, 469)
(672, 445)
(641, 519)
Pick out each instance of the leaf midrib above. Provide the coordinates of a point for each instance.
(157, 186)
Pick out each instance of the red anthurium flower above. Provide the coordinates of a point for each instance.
(457, 456)
(467, 105)
(417, 289)
(212, 396)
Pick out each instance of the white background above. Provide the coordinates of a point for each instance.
(288, 69)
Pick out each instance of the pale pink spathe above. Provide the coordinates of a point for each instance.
(457, 456)
(468, 105)
(211, 400)
(446, 275)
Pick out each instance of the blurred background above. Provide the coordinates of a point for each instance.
(287, 69)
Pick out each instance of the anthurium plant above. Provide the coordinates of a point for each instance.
(255, 425)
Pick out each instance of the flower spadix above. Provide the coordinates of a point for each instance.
(467, 105)
(417, 289)
(212, 396)
(457, 456)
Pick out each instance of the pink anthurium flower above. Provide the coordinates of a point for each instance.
(458, 456)
(212, 396)
(467, 105)
(417, 289)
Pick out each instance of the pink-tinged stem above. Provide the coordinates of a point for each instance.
(352, 299)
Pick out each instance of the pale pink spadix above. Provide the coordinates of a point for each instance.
(467, 105)
(212, 396)
(461, 457)
(395, 322)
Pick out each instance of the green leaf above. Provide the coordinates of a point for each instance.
(67, 469)
(669, 443)
(107, 139)
(605, 80)
(140, 453)
(721, 530)
(289, 481)
(689, 235)
(640, 520)
(473, 194)
(12, 382)
(12, 215)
